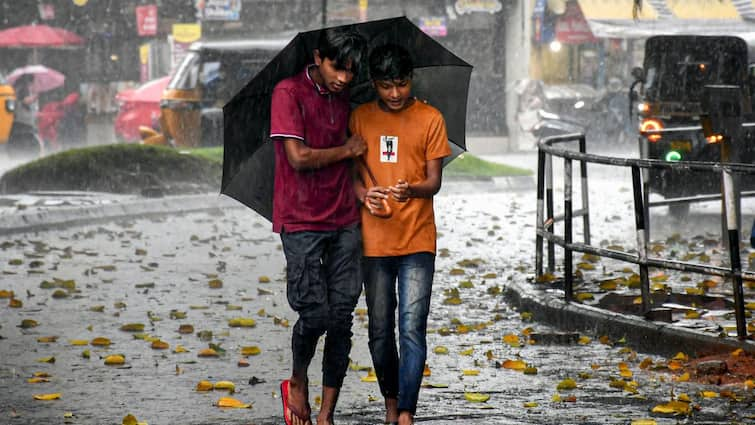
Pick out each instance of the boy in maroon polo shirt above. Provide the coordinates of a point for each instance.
(316, 213)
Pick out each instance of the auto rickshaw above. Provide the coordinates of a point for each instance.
(212, 72)
(7, 109)
(672, 87)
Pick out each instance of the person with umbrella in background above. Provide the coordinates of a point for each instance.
(315, 211)
(23, 137)
(406, 143)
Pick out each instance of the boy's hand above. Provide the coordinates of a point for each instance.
(356, 145)
(376, 201)
(400, 191)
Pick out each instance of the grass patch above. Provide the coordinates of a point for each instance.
(468, 165)
(118, 168)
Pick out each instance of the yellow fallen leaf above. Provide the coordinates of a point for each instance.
(584, 340)
(530, 404)
(28, 323)
(467, 352)
(556, 398)
(684, 397)
(673, 407)
(204, 386)
(232, 402)
(514, 364)
(675, 365)
(585, 296)
(180, 349)
(566, 384)
(207, 352)
(186, 329)
(129, 420)
(15, 303)
(242, 322)
(50, 359)
(749, 384)
(625, 373)
(646, 363)
(37, 380)
(225, 385)
(709, 394)
(681, 357)
(738, 352)
(683, 377)
(440, 350)
(371, 377)
(427, 371)
(644, 422)
(476, 397)
(4, 293)
(100, 342)
(470, 372)
(250, 351)
(53, 396)
(47, 339)
(160, 345)
(133, 327)
(115, 359)
(78, 342)
(692, 314)
(434, 385)
(512, 340)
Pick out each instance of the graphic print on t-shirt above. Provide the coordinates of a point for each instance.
(389, 149)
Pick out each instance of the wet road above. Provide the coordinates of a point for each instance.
(204, 270)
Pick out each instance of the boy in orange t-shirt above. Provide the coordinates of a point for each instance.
(406, 143)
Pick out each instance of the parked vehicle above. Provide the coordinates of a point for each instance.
(139, 107)
(7, 108)
(212, 72)
(670, 96)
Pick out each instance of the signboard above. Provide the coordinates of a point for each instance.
(181, 38)
(572, 28)
(469, 6)
(146, 20)
(218, 10)
(434, 26)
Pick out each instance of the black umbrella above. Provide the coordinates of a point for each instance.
(440, 78)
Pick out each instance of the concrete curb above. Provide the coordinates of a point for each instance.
(41, 219)
(654, 337)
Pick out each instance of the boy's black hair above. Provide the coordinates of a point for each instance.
(390, 62)
(342, 45)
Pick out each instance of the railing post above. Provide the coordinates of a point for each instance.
(549, 210)
(642, 247)
(732, 226)
(539, 228)
(568, 275)
(645, 186)
(585, 199)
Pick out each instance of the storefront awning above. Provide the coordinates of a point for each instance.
(614, 18)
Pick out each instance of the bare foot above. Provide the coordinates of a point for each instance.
(391, 410)
(405, 418)
(299, 411)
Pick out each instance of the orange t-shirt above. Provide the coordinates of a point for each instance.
(399, 144)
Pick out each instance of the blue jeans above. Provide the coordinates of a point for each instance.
(399, 376)
(324, 282)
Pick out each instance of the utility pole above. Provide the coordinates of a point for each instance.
(324, 13)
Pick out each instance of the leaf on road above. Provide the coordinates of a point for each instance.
(673, 407)
(232, 402)
(226, 386)
(115, 360)
(470, 372)
(28, 324)
(160, 345)
(204, 386)
(514, 365)
(566, 384)
(207, 352)
(133, 327)
(476, 397)
(371, 377)
(440, 350)
(100, 342)
(52, 396)
(242, 322)
(47, 339)
(512, 340)
(49, 359)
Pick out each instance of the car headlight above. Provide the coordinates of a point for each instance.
(10, 105)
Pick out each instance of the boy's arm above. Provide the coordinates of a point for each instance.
(426, 188)
(302, 157)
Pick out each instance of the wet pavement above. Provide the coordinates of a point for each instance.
(205, 269)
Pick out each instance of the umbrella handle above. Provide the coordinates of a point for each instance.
(386, 210)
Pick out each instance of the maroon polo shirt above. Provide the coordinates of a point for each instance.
(320, 199)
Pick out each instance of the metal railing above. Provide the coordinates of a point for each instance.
(547, 148)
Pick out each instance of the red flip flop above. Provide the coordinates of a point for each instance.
(286, 408)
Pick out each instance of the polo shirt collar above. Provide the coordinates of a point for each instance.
(320, 89)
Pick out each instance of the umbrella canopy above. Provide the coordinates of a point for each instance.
(440, 78)
(45, 79)
(38, 36)
(150, 92)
